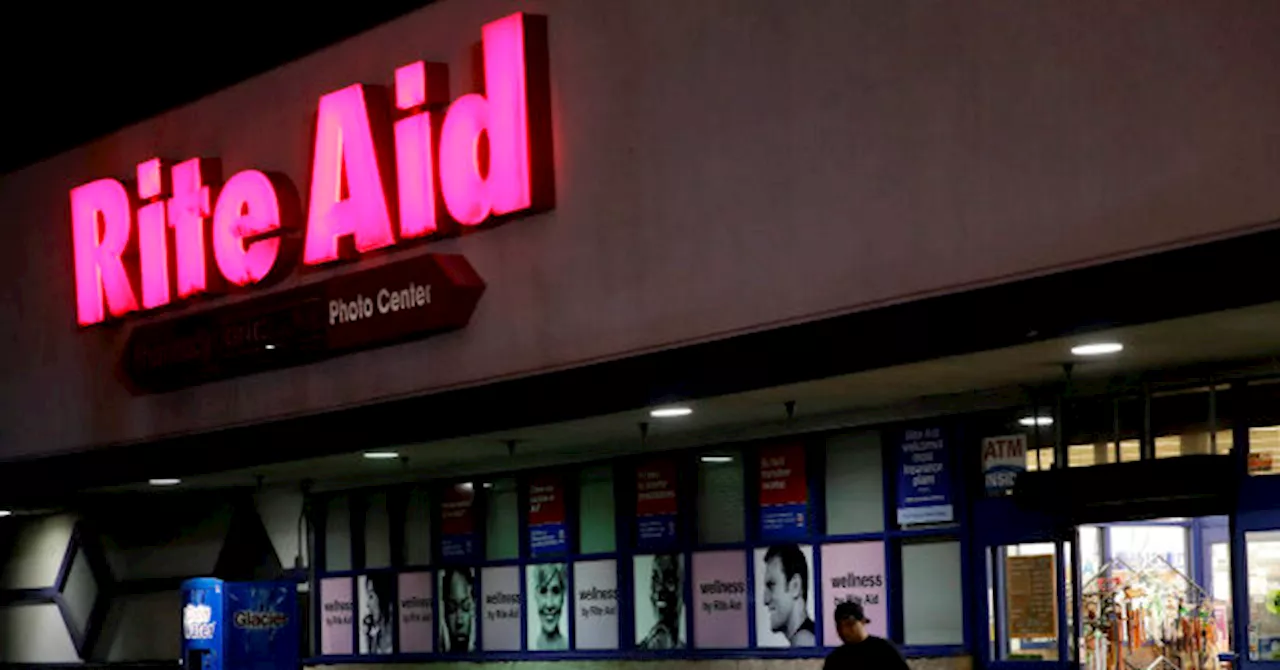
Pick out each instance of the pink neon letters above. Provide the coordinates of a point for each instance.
(503, 114)
(248, 208)
(153, 236)
(100, 224)
(345, 154)
(487, 154)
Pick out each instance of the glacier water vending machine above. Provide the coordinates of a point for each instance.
(239, 625)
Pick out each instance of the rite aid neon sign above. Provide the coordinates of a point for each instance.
(378, 177)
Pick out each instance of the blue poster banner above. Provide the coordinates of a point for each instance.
(457, 522)
(263, 631)
(924, 482)
(656, 505)
(784, 493)
(548, 535)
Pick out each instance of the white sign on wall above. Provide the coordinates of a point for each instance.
(1003, 458)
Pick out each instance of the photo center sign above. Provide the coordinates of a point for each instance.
(387, 167)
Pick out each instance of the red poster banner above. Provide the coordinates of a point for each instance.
(456, 511)
(656, 489)
(546, 501)
(782, 476)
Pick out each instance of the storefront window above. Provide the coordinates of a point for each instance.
(855, 484)
(1039, 459)
(377, 532)
(502, 527)
(1264, 450)
(721, 509)
(597, 532)
(1263, 555)
(1027, 574)
(337, 534)
(932, 594)
(417, 528)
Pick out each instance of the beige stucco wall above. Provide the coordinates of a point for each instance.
(721, 167)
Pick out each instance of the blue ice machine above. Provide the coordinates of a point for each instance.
(239, 625)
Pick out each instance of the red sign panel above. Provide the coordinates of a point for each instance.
(456, 510)
(782, 476)
(546, 501)
(382, 305)
(656, 489)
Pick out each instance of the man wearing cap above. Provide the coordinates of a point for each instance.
(860, 650)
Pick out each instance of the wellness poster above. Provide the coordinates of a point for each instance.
(854, 572)
(501, 605)
(417, 616)
(924, 481)
(720, 600)
(656, 505)
(457, 521)
(547, 533)
(337, 616)
(784, 493)
(596, 604)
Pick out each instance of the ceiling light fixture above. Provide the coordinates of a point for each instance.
(670, 412)
(271, 347)
(1036, 421)
(4, 513)
(381, 455)
(717, 459)
(1097, 349)
(165, 481)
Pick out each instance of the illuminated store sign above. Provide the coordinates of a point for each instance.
(385, 169)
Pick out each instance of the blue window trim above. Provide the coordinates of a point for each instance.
(685, 544)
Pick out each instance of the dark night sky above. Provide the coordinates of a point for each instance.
(74, 73)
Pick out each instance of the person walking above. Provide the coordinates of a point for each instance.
(861, 650)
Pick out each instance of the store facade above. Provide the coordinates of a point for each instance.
(489, 239)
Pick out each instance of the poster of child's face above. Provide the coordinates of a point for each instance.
(457, 610)
(547, 587)
(377, 613)
(785, 596)
(659, 602)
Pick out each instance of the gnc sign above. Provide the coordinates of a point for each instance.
(379, 176)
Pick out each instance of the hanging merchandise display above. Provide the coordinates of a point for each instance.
(1148, 617)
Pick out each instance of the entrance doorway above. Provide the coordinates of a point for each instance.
(1140, 595)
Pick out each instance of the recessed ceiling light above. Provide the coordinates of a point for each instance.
(271, 347)
(1036, 421)
(670, 412)
(165, 481)
(487, 485)
(1097, 349)
(717, 459)
(4, 513)
(381, 455)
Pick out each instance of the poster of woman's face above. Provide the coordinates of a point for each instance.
(785, 596)
(659, 602)
(457, 610)
(548, 618)
(377, 613)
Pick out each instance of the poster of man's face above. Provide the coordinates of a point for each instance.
(377, 613)
(547, 586)
(785, 596)
(457, 610)
(659, 602)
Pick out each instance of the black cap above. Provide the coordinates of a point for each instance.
(851, 610)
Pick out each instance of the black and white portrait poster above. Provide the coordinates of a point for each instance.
(547, 600)
(785, 596)
(457, 610)
(377, 613)
(659, 602)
